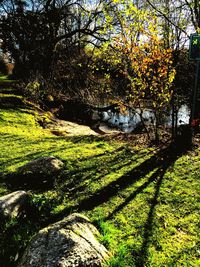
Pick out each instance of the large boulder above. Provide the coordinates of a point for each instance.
(68, 243)
(39, 174)
(13, 204)
(45, 165)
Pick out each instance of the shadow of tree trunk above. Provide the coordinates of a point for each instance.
(176, 152)
(160, 161)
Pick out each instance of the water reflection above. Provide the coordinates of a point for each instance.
(129, 121)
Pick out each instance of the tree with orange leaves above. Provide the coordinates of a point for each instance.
(137, 50)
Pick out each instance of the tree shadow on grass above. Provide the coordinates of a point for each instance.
(148, 227)
(30, 156)
(159, 162)
(149, 223)
(162, 160)
(75, 185)
(165, 159)
(176, 152)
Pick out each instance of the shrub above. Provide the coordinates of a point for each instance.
(3, 67)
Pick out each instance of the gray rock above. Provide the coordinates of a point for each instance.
(68, 243)
(44, 165)
(39, 174)
(12, 205)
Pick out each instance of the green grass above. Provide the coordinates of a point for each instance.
(5, 79)
(144, 202)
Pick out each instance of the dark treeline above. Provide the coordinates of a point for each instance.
(81, 49)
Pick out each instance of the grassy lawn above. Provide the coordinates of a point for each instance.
(5, 79)
(145, 202)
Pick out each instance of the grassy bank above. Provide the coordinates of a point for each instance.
(144, 201)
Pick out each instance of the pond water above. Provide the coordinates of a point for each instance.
(129, 121)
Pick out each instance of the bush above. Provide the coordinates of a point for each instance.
(3, 67)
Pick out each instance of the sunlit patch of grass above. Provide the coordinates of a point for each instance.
(161, 231)
(23, 140)
(147, 212)
(5, 78)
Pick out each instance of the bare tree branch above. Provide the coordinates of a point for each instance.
(163, 15)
